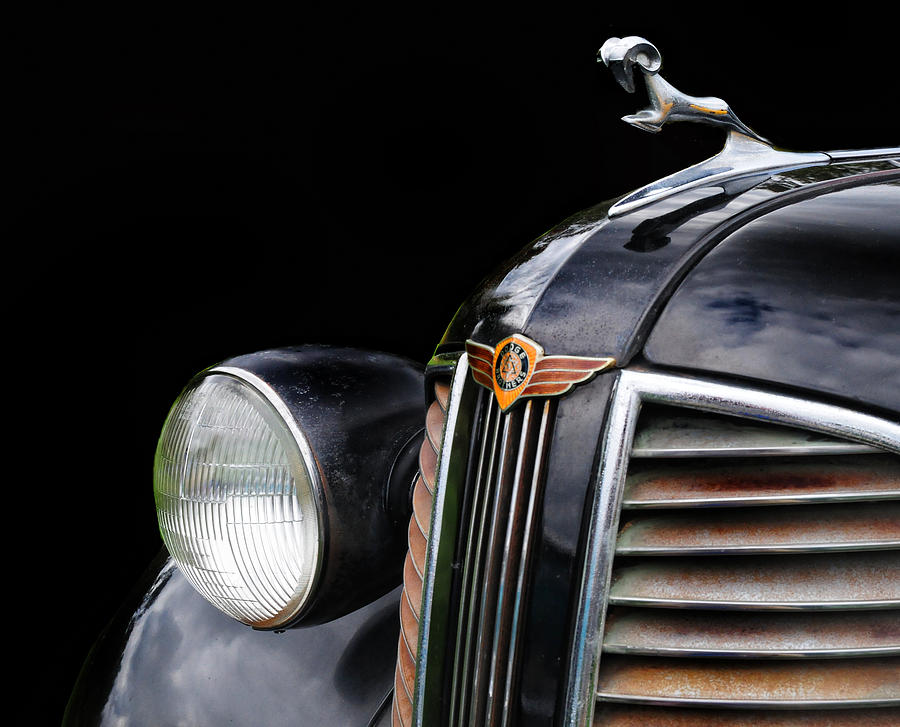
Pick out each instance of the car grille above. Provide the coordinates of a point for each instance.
(497, 522)
(756, 575)
(737, 570)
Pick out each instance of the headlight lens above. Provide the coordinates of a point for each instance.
(236, 500)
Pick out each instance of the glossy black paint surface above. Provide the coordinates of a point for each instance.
(171, 658)
(807, 296)
(594, 285)
(359, 410)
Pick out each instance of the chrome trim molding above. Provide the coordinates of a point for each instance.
(741, 157)
(458, 385)
(633, 387)
(843, 155)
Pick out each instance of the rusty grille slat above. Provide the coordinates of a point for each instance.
(413, 567)
(686, 433)
(780, 481)
(422, 503)
(734, 634)
(620, 715)
(402, 713)
(417, 543)
(821, 528)
(855, 682)
(843, 581)
(409, 626)
(763, 586)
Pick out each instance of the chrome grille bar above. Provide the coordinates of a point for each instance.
(506, 496)
(495, 530)
(535, 498)
(474, 562)
(489, 587)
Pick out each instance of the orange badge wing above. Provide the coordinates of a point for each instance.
(555, 375)
(481, 362)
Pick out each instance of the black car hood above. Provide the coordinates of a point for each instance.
(596, 286)
(807, 296)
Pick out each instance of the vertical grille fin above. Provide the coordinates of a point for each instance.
(496, 533)
(414, 566)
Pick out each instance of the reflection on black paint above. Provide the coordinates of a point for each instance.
(743, 310)
(805, 296)
(174, 659)
(653, 233)
(360, 672)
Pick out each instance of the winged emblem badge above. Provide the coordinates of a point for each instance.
(517, 367)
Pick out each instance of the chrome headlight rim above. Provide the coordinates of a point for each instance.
(295, 609)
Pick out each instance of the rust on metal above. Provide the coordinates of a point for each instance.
(407, 668)
(442, 394)
(409, 627)
(402, 704)
(843, 580)
(667, 432)
(417, 546)
(434, 425)
(712, 682)
(622, 715)
(756, 635)
(763, 481)
(414, 565)
(427, 464)
(422, 506)
(412, 584)
(850, 526)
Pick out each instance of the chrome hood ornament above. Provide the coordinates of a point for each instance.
(745, 154)
(667, 103)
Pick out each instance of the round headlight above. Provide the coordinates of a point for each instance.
(236, 493)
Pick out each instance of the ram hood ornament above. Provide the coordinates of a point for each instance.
(667, 103)
(517, 367)
(745, 154)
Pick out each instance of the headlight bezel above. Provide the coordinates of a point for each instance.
(230, 533)
(352, 415)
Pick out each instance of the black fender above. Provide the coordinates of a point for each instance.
(169, 657)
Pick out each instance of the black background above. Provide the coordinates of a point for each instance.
(186, 188)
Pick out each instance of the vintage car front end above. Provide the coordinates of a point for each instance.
(655, 481)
